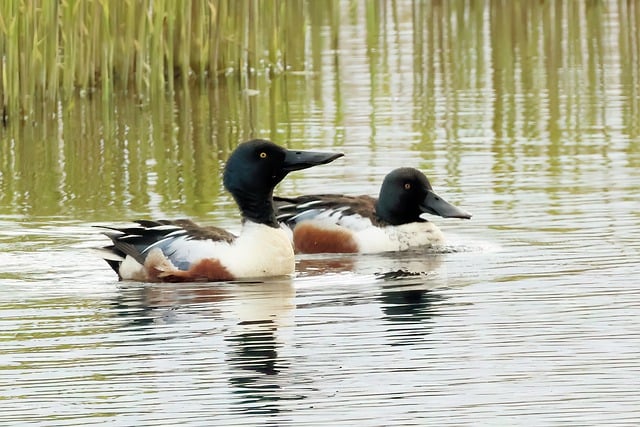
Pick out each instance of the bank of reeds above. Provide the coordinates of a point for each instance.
(51, 50)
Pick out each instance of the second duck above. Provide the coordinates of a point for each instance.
(333, 223)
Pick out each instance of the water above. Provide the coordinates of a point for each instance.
(524, 114)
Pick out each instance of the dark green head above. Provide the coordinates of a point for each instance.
(254, 169)
(406, 194)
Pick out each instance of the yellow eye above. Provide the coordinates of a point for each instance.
(263, 155)
(407, 186)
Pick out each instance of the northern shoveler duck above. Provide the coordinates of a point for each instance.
(180, 250)
(331, 223)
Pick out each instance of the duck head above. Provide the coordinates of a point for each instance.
(254, 169)
(406, 194)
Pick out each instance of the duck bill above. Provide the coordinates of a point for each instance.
(296, 160)
(436, 205)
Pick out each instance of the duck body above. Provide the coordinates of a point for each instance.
(331, 223)
(182, 251)
(348, 237)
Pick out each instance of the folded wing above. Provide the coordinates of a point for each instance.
(175, 238)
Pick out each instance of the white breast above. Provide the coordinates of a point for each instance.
(399, 237)
(260, 251)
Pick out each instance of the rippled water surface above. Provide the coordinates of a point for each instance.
(527, 114)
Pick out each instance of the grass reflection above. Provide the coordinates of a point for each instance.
(440, 81)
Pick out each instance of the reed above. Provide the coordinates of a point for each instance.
(53, 50)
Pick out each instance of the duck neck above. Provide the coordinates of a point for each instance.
(398, 216)
(257, 208)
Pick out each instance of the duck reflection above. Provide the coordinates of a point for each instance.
(408, 286)
(391, 265)
(248, 316)
(255, 355)
(144, 305)
(258, 373)
(409, 298)
(409, 305)
(410, 309)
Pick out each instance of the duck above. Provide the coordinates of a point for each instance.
(183, 251)
(392, 222)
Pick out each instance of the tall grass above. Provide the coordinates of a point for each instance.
(51, 50)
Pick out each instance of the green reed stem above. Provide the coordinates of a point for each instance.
(53, 50)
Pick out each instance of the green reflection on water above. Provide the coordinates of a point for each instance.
(542, 87)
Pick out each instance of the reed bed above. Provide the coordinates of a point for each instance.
(52, 50)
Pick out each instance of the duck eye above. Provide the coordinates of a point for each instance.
(407, 186)
(263, 155)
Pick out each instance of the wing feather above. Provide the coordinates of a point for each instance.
(292, 210)
(138, 240)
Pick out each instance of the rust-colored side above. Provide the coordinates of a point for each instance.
(311, 239)
(206, 270)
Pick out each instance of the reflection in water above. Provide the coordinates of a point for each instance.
(409, 302)
(533, 79)
(390, 265)
(408, 283)
(256, 369)
(255, 353)
(410, 306)
(247, 315)
(407, 305)
(143, 305)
